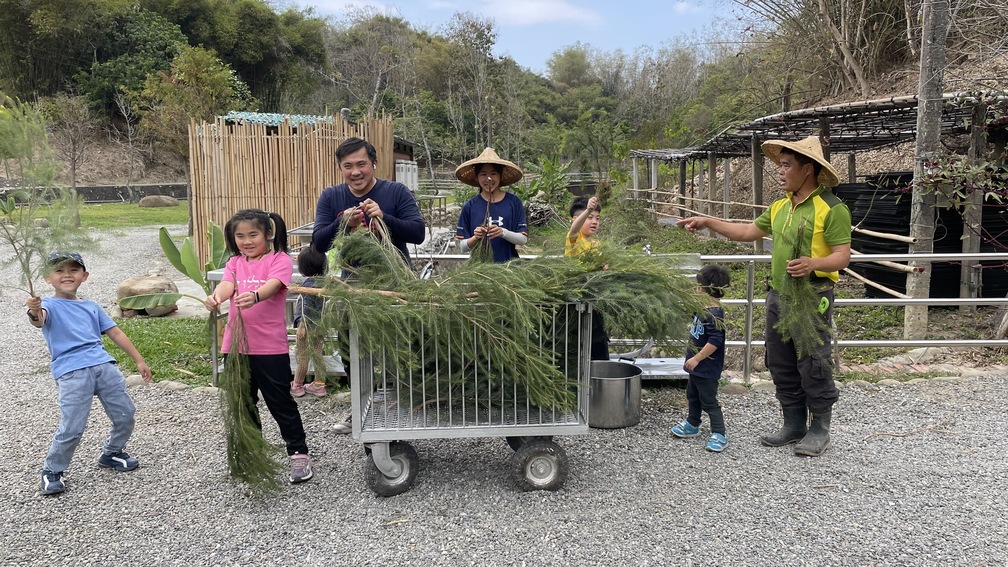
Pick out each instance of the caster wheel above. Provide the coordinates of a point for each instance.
(539, 464)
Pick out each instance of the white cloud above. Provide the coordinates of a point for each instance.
(532, 12)
(686, 8)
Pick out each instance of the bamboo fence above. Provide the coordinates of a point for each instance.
(281, 169)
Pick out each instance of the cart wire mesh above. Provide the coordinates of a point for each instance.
(454, 388)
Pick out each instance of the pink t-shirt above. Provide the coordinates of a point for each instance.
(265, 322)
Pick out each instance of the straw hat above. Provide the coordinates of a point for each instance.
(466, 173)
(808, 147)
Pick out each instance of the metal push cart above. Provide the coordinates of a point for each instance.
(467, 395)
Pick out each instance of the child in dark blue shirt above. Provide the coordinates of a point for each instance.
(705, 361)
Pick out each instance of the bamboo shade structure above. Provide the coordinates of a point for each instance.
(281, 169)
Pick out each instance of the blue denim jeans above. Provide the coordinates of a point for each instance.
(76, 390)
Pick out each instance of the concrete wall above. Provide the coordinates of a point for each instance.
(119, 193)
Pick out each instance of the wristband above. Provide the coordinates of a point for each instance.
(32, 317)
(256, 293)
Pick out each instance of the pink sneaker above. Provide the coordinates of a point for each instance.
(317, 390)
(297, 390)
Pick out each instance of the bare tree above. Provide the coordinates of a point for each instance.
(72, 128)
(127, 136)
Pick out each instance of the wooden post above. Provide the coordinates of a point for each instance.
(851, 168)
(682, 183)
(934, 35)
(757, 183)
(654, 184)
(726, 186)
(711, 183)
(969, 284)
(701, 189)
(636, 185)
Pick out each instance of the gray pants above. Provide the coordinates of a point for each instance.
(800, 381)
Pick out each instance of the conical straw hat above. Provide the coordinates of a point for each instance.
(466, 173)
(809, 147)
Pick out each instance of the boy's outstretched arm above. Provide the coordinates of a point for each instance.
(581, 218)
(123, 342)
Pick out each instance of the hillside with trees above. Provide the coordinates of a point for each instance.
(129, 75)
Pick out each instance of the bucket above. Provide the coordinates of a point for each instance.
(615, 396)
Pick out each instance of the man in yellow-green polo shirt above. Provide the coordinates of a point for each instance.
(804, 384)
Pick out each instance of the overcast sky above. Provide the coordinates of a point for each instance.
(531, 30)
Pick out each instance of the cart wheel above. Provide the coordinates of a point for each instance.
(406, 458)
(516, 442)
(539, 464)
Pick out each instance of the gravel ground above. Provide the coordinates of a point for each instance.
(916, 476)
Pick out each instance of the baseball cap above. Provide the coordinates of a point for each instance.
(57, 258)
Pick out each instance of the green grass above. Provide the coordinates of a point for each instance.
(129, 215)
(175, 348)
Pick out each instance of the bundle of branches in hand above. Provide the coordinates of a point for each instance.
(511, 310)
(800, 320)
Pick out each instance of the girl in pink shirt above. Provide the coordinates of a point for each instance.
(255, 283)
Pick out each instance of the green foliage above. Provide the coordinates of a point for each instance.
(38, 217)
(251, 459)
(550, 177)
(801, 320)
(199, 87)
(136, 44)
(186, 260)
(176, 348)
(508, 307)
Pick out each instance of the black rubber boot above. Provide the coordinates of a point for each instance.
(795, 427)
(817, 440)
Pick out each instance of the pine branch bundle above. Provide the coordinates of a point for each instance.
(800, 320)
(483, 252)
(251, 459)
(502, 320)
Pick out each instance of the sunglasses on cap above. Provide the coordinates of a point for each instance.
(57, 258)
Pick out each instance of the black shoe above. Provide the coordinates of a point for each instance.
(52, 483)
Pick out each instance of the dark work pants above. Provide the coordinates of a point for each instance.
(271, 375)
(701, 394)
(807, 381)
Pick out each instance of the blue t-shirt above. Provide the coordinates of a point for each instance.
(707, 327)
(507, 213)
(73, 330)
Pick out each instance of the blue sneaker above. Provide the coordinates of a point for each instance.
(52, 483)
(685, 430)
(716, 443)
(120, 461)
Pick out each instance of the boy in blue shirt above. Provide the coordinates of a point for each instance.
(705, 361)
(82, 368)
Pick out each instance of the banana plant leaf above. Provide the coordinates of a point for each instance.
(147, 301)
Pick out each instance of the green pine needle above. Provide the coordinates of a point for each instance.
(251, 459)
(800, 321)
(503, 318)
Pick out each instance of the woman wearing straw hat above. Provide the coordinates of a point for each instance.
(804, 384)
(493, 217)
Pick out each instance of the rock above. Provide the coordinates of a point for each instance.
(146, 285)
(41, 223)
(762, 386)
(134, 380)
(172, 386)
(207, 390)
(159, 201)
(734, 389)
(889, 382)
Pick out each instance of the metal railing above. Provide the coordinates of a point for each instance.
(751, 300)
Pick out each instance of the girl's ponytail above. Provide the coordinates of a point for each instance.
(279, 233)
